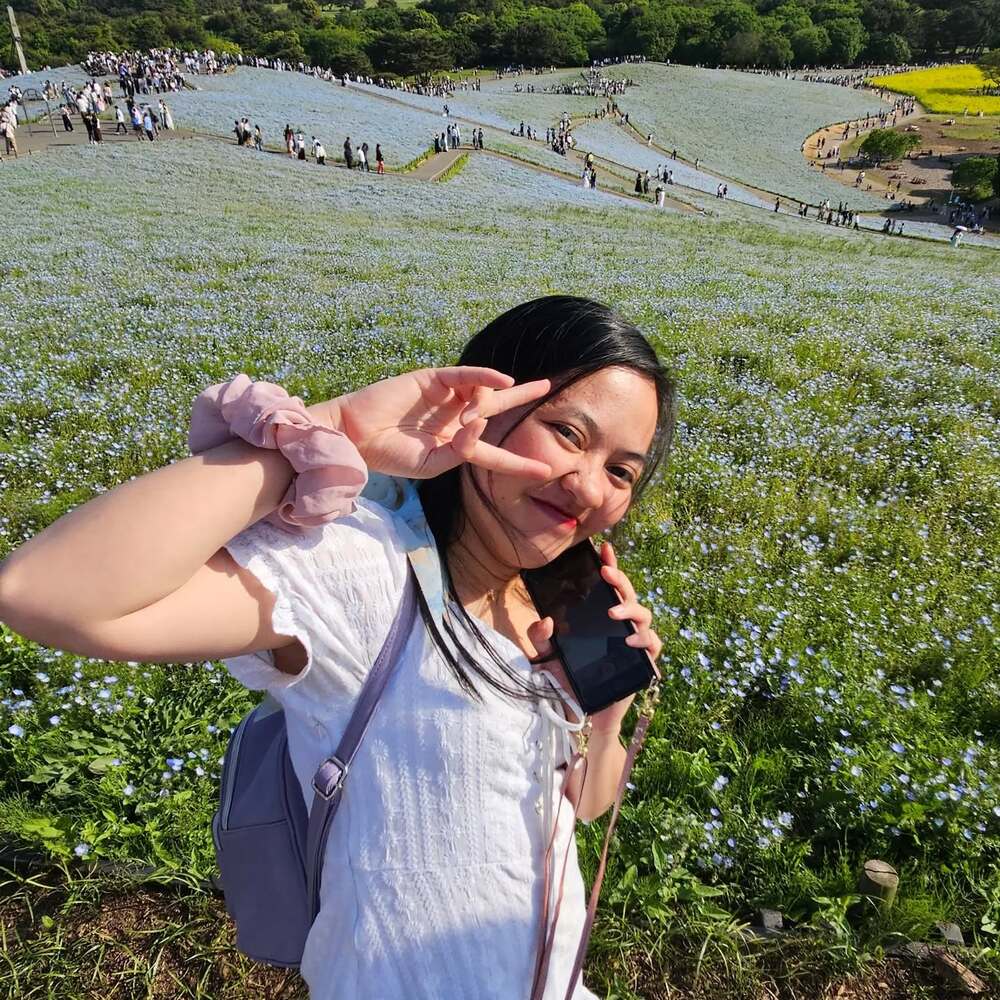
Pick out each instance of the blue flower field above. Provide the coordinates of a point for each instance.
(821, 553)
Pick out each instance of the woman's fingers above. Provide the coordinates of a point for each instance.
(619, 581)
(540, 636)
(466, 375)
(442, 385)
(632, 611)
(646, 639)
(608, 555)
(496, 459)
(499, 400)
(465, 446)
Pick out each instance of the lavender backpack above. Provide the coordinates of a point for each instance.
(269, 848)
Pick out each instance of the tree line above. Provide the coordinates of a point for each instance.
(380, 37)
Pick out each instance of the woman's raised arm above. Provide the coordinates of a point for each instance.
(139, 544)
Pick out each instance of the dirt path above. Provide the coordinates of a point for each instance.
(41, 139)
(834, 136)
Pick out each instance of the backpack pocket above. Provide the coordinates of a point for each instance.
(259, 832)
(265, 890)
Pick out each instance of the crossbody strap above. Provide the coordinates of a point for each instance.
(548, 931)
(638, 736)
(328, 782)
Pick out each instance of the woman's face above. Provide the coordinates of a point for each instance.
(593, 435)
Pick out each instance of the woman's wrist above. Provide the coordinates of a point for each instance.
(328, 413)
(605, 735)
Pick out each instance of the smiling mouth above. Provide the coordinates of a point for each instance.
(560, 516)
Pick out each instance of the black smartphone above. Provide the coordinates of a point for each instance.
(601, 668)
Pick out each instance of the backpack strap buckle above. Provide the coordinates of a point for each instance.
(329, 777)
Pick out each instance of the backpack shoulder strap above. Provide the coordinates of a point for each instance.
(328, 782)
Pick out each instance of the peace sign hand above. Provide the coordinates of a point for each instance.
(426, 422)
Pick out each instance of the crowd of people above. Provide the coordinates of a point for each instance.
(157, 71)
(855, 78)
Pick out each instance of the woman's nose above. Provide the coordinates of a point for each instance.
(585, 485)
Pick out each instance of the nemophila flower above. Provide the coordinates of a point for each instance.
(54, 720)
(43, 677)
(15, 730)
(720, 782)
(128, 790)
(897, 748)
(82, 850)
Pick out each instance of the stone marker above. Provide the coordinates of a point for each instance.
(879, 880)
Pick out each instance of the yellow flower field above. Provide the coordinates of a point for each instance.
(945, 89)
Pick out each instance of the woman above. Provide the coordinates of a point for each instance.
(545, 434)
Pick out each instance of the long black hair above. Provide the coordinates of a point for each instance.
(563, 338)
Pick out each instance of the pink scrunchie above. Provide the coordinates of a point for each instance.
(330, 472)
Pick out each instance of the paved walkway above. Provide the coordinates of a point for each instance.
(437, 163)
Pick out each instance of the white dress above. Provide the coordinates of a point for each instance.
(432, 879)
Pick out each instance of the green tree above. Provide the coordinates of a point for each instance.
(543, 38)
(339, 48)
(847, 39)
(585, 23)
(308, 10)
(776, 50)
(283, 45)
(789, 18)
(888, 50)
(653, 31)
(742, 49)
(147, 31)
(885, 144)
(989, 64)
(810, 46)
(734, 19)
(977, 177)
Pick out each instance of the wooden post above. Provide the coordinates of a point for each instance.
(879, 881)
(15, 35)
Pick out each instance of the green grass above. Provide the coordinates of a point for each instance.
(455, 169)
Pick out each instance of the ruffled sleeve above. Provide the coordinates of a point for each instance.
(336, 590)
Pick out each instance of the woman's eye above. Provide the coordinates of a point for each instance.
(620, 472)
(568, 433)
